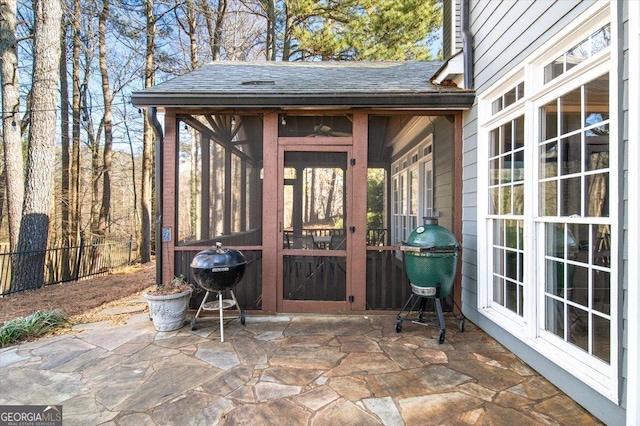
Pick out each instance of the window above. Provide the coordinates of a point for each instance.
(546, 234)
(575, 195)
(506, 208)
(413, 177)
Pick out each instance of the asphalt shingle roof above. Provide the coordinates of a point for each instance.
(302, 83)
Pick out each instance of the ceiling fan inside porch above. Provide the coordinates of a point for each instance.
(324, 130)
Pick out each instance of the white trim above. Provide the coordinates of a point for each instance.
(633, 230)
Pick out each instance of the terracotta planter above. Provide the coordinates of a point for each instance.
(168, 312)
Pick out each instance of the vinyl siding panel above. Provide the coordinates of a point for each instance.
(625, 191)
(504, 34)
(443, 171)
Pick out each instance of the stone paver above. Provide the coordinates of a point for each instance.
(294, 369)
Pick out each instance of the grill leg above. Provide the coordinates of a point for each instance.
(441, 324)
(221, 316)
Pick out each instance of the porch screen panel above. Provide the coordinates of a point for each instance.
(219, 186)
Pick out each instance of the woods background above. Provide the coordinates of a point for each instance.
(78, 158)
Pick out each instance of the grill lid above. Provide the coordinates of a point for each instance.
(220, 258)
(431, 237)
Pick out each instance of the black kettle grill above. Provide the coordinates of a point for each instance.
(217, 270)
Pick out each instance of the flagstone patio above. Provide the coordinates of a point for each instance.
(285, 369)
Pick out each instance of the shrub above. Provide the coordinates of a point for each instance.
(33, 325)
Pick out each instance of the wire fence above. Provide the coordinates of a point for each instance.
(92, 256)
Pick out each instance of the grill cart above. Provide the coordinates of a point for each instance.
(216, 271)
(430, 256)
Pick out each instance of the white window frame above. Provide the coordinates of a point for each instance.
(599, 375)
(419, 161)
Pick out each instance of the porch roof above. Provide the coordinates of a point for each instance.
(394, 85)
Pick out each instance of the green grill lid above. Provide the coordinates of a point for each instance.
(433, 236)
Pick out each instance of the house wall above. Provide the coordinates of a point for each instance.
(443, 171)
(504, 34)
(451, 39)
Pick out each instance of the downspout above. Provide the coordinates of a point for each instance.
(153, 118)
(467, 44)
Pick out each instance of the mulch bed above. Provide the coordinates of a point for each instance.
(78, 297)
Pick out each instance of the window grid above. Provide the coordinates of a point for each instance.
(506, 207)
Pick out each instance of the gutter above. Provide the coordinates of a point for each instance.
(467, 44)
(442, 100)
(153, 118)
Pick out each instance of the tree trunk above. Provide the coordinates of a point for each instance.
(107, 122)
(13, 162)
(34, 227)
(217, 37)
(75, 128)
(147, 144)
(65, 188)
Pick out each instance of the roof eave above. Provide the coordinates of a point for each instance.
(437, 100)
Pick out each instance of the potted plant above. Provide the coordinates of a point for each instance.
(168, 304)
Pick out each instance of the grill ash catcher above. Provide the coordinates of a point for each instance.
(430, 256)
(216, 271)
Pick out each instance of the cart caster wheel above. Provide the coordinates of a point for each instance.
(242, 317)
(441, 337)
(193, 323)
(462, 325)
(398, 326)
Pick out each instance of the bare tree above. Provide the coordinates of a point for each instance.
(147, 142)
(13, 163)
(107, 121)
(34, 227)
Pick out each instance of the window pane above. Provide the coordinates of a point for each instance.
(512, 296)
(498, 261)
(494, 197)
(601, 291)
(498, 290)
(554, 283)
(554, 317)
(511, 265)
(578, 282)
(601, 246)
(549, 160)
(518, 199)
(554, 69)
(521, 90)
(494, 143)
(549, 198)
(498, 232)
(549, 120)
(510, 97)
(507, 137)
(570, 111)
(570, 196)
(570, 154)
(597, 195)
(578, 53)
(495, 171)
(554, 245)
(602, 338)
(578, 328)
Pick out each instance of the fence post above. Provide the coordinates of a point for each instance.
(76, 269)
(130, 248)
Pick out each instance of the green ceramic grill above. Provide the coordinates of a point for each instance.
(431, 260)
(430, 257)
